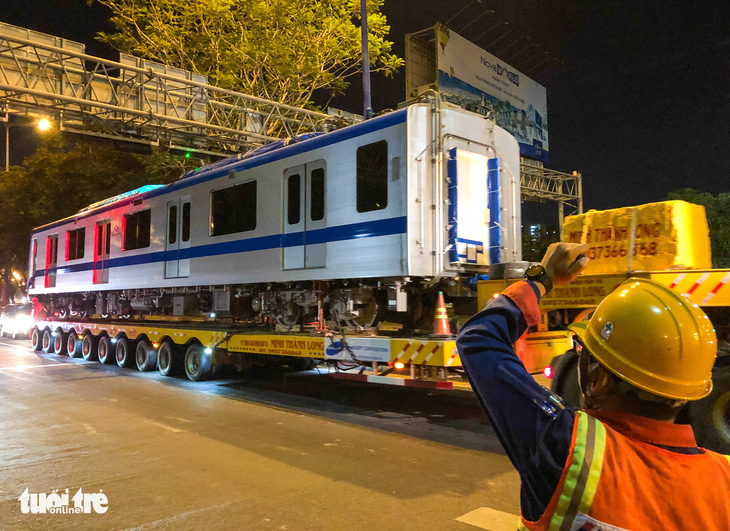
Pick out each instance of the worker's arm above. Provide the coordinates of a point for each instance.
(534, 430)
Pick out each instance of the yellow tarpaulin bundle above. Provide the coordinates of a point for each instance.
(651, 237)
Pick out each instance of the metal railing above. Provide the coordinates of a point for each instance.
(138, 100)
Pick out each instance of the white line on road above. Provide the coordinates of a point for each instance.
(159, 425)
(179, 516)
(23, 367)
(490, 519)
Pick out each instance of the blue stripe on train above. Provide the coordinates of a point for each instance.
(367, 229)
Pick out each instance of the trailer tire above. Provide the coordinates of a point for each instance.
(73, 345)
(710, 417)
(59, 343)
(47, 345)
(104, 349)
(197, 363)
(123, 352)
(168, 360)
(36, 339)
(145, 356)
(565, 378)
(88, 347)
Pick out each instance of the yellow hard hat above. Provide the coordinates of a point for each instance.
(654, 338)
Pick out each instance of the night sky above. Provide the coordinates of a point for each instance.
(638, 95)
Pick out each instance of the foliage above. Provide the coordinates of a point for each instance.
(717, 207)
(281, 50)
(59, 179)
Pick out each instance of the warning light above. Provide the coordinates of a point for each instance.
(399, 365)
(548, 371)
(187, 155)
(155, 345)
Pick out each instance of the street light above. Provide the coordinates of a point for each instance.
(43, 125)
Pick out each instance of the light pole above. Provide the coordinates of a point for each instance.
(6, 121)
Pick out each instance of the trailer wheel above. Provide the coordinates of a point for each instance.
(145, 356)
(73, 345)
(35, 339)
(47, 340)
(168, 361)
(88, 347)
(105, 349)
(123, 352)
(710, 417)
(197, 363)
(565, 378)
(59, 343)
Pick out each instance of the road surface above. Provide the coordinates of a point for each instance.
(263, 451)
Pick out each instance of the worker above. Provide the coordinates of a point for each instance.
(622, 462)
(38, 311)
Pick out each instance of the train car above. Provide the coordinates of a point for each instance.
(361, 223)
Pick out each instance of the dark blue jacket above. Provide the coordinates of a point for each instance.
(534, 429)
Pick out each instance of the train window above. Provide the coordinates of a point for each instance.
(186, 222)
(293, 192)
(172, 225)
(75, 241)
(137, 230)
(233, 209)
(372, 176)
(317, 204)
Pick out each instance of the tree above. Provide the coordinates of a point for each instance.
(717, 208)
(61, 177)
(281, 50)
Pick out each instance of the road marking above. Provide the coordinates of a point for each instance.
(490, 519)
(180, 517)
(23, 367)
(159, 425)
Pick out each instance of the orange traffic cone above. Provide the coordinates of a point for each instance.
(441, 324)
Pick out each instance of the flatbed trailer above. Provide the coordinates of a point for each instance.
(199, 348)
(549, 347)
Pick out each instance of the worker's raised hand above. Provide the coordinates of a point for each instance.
(561, 261)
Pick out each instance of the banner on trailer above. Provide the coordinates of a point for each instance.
(480, 82)
(357, 349)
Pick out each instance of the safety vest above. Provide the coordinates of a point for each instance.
(612, 482)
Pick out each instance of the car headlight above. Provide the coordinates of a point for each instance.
(23, 322)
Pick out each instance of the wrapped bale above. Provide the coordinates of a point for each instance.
(651, 237)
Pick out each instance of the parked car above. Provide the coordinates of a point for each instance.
(15, 320)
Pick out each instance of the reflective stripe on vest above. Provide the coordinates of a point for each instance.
(582, 477)
(585, 471)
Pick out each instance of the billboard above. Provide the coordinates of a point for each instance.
(479, 82)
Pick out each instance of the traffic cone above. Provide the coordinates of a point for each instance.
(441, 324)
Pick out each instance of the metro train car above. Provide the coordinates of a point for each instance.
(366, 222)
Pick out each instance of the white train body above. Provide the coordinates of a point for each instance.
(423, 193)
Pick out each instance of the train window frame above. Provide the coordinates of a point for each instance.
(132, 220)
(371, 189)
(75, 243)
(240, 218)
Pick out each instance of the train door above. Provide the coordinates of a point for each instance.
(304, 215)
(178, 238)
(102, 251)
(51, 260)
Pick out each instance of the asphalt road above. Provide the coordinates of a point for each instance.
(266, 450)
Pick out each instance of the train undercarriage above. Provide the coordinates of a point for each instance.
(359, 305)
